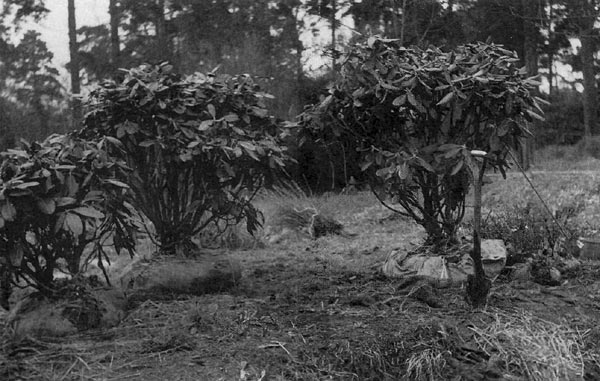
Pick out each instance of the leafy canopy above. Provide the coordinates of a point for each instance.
(415, 114)
(200, 146)
(60, 199)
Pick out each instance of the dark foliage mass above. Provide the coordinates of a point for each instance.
(190, 150)
(199, 146)
(60, 201)
(413, 115)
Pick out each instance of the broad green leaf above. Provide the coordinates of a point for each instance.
(147, 143)
(252, 154)
(64, 201)
(72, 185)
(399, 101)
(504, 128)
(64, 167)
(87, 180)
(403, 171)
(121, 132)
(453, 152)
(230, 118)
(131, 127)
(211, 110)
(382, 172)
(415, 102)
(411, 98)
(205, 125)
(26, 185)
(447, 123)
(47, 205)
(188, 134)
(18, 153)
(447, 98)
(535, 115)
(259, 111)
(94, 195)
(114, 141)
(8, 211)
(238, 131)
(185, 156)
(16, 254)
(371, 41)
(387, 86)
(31, 238)
(457, 167)
(73, 224)
(262, 94)
(87, 211)
(117, 183)
(365, 165)
(421, 162)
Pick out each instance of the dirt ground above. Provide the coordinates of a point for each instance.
(320, 310)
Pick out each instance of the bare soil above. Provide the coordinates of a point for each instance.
(316, 310)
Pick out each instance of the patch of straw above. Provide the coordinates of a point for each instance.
(425, 365)
(533, 347)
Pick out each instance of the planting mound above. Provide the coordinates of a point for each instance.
(77, 308)
(166, 275)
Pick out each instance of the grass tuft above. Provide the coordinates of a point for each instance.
(290, 211)
(426, 365)
(533, 348)
(566, 158)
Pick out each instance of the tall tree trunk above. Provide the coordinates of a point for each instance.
(294, 29)
(530, 34)
(395, 22)
(333, 26)
(74, 64)
(115, 48)
(43, 116)
(551, 37)
(590, 102)
(403, 23)
(550, 73)
(163, 52)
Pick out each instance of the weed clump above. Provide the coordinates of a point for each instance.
(291, 211)
(530, 229)
(590, 146)
(309, 220)
(533, 348)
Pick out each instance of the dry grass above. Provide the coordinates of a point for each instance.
(534, 348)
(319, 310)
(426, 365)
(565, 158)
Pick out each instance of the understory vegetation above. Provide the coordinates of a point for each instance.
(197, 165)
(318, 309)
(301, 222)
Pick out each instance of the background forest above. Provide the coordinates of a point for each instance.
(293, 47)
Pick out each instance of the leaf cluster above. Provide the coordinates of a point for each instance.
(200, 146)
(60, 202)
(415, 114)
